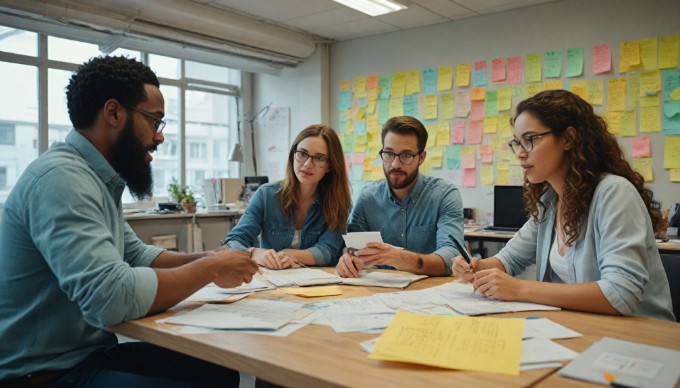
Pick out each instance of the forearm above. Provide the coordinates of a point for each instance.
(176, 284)
(423, 264)
(301, 256)
(580, 296)
(170, 259)
(489, 263)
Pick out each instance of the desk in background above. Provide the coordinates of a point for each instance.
(317, 356)
(195, 231)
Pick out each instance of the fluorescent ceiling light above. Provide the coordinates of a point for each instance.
(373, 7)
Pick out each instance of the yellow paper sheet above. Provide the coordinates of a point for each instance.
(650, 119)
(616, 96)
(463, 75)
(431, 101)
(309, 292)
(444, 78)
(594, 92)
(359, 87)
(669, 48)
(644, 167)
(671, 152)
(446, 106)
(477, 344)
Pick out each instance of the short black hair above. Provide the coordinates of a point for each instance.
(104, 78)
(406, 125)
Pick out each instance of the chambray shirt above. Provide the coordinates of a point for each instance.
(422, 223)
(70, 264)
(616, 248)
(263, 217)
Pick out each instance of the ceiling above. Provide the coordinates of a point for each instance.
(330, 20)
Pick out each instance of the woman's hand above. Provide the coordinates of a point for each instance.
(271, 259)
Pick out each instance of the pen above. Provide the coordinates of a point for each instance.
(463, 253)
(351, 253)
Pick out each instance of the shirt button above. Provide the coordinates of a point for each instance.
(402, 235)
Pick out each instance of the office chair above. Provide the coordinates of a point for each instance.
(671, 264)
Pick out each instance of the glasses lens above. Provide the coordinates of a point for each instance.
(301, 156)
(387, 156)
(161, 125)
(406, 158)
(319, 161)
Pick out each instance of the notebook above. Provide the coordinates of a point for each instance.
(508, 208)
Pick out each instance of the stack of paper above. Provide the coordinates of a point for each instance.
(462, 298)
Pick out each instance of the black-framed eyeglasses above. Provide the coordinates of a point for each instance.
(526, 142)
(404, 157)
(158, 123)
(317, 160)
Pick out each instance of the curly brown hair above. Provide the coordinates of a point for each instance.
(336, 199)
(595, 152)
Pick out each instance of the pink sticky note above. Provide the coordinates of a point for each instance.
(515, 69)
(358, 158)
(372, 81)
(641, 147)
(470, 177)
(498, 69)
(602, 58)
(475, 132)
(486, 152)
(458, 132)
(480, 65)
(477, 112)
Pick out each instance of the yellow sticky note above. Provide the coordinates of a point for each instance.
(616, 95)
(463, 75)
(502, 177)
(486, 175)
(644, 167)
(674, 174)
(553, 85)
(669, 48)
(650, 119)
(533, 89)
(359, 88)
(629, 56)
(648, 53)
(628, 123)
(412, 82)
(533, 67)
(398, 84)
(309, 291)
(443, 134)
(396, 106)
(647, 101)
(633, 89)
(446, 105)
(431, 101)
(650, 83)
(594, 92)
(578, 87)
(444, 78)
(613, 120)
(477, 344)
(505, 98)
(345, 84)
(490, 124)
(671, 152)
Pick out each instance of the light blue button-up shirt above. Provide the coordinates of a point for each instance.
(616, 249)
(422, 223)
(70, 263)
(263, 217)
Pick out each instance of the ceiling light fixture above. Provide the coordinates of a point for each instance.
(373, 7)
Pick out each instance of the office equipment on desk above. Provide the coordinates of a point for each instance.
(632, 364)
(469, 215)
(252, 183)
(220, 192)
(508, 208)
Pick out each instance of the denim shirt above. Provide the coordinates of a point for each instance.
(616, 249)
(265, 218)
(422, 223)
(70, 263)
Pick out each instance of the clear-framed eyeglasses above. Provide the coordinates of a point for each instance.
(526, 142)
(317, 160)
(158, 122)
(404, 157)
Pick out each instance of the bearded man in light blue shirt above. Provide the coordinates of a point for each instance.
(70, 263)
(412, 211)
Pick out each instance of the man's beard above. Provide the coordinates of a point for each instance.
(129, 160)
(407, 181)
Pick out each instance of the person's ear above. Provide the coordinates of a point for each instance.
(569, 138)
(114, 113)
(421, 158)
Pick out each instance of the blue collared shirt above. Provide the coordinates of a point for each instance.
(263, 217)
(422, 223)
(70, 263)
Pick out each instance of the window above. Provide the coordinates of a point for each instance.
(200, 123)
(7, 135)
(3, 177)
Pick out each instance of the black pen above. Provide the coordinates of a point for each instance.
(351, 253)
(463, 253)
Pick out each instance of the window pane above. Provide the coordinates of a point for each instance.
(165, 67)
(19, 122)
(18, 41)
(57, 113)
(204, 71)
(210, 132)
(126, 53)
(70, 50)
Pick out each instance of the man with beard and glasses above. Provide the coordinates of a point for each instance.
(412, 211)
(70, 263)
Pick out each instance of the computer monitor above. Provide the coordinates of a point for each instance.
(259, 180)
(508, 208)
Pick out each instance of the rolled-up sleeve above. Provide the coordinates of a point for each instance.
(520, 252)
(449, 222)
(249, 226)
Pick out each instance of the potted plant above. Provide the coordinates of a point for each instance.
(184, 196)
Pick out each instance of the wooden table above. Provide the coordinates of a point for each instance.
(317, 356)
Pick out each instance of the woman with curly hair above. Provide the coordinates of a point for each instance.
(302, 218)
(592, 221)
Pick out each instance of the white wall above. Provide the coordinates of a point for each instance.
(556, 25)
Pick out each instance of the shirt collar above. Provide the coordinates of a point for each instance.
(92, 156)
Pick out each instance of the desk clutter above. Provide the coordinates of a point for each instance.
(439, 326)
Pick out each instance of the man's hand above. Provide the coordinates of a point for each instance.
(349, 266)
(234, 267)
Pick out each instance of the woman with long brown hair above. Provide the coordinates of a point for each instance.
(300, 219)
(592, 221)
